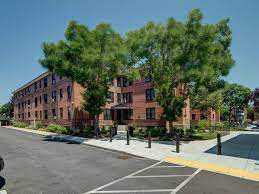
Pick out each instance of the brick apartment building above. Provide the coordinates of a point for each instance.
(211, 115)
(50, 98)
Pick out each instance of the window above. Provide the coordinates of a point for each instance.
(119, 81)
(54, 95)
(35, 86)
(129, 114)
(19, 106)
(45, 82)
(45, 98)
(69, 92)
(40, 99)
(150, 94)
(110, 96)
(61, 113)
(54, 113)
(40, 84)
(150, 113)
(29, 114)
(36, 102)
(60, 93)
(36, 114)
(69, 113)
(119, 97)
(193, 116)
(40, 114)
(29, 103)
(53, 79)
(107, 114)
(19, 116)
(127, 97)
(46, 114)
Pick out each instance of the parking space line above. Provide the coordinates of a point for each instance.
(125, 177)
(159, 176)
(186, 181)
(169, 166)
(137, 191)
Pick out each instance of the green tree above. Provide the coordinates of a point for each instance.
(206, 97)
(236, 98)
(186, 55)
(92, 58)
(6, 111)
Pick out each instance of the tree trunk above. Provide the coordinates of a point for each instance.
(96, 126)
(171, 127)
(229, 116)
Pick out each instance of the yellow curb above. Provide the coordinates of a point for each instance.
(214, 168)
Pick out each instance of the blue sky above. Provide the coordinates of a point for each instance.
(24, 25)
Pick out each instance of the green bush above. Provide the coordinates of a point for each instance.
(105, 131)
(57, 129)
(39, 125)
(157, 131)
(88, 131)
(20, 124)
(190, 132)
(203, 125)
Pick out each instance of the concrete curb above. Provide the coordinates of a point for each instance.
(214, 168)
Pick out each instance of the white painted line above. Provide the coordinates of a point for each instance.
(168, 166)
(158, 176)
(120, 179)
(137, 191)
(186, 181)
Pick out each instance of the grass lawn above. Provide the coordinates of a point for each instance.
(204, 136)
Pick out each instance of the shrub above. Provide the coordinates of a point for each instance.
(157, 131)
(57, 129)
(39, 125)
(190, 132)
(203, 124)
(105, 131)
(20, 124)
(88, 131)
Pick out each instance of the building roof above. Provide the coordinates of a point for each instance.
(32, 81)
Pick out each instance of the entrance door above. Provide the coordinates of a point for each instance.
(119, 117)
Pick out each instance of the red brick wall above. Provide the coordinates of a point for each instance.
(59, 103)
(139, 104)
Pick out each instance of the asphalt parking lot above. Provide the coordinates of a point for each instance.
(35, 164)
(166, 178)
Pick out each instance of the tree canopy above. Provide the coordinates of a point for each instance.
(236, 97)
(189, 55)
(6, 111)
(92, 58)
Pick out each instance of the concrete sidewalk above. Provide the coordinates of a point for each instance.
(197, 154)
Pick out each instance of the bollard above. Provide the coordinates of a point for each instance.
(177, 143)
(1, 163)
(128, 138)
(149, 139)
(110, 134)
(218, 144)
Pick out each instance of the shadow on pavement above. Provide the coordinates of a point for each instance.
(2, 182)
(241, 146)
(60, 139)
